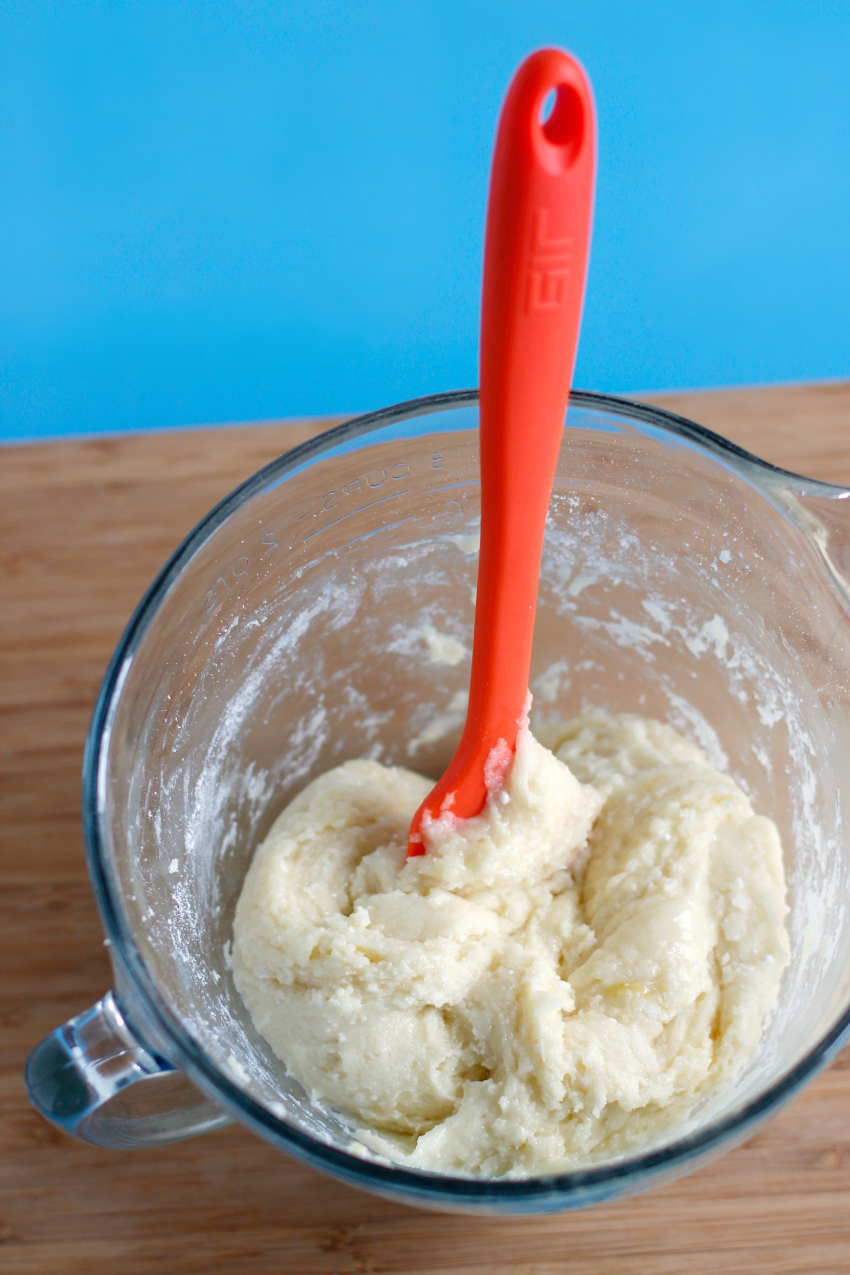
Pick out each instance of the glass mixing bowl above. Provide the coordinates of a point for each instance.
(682, 579)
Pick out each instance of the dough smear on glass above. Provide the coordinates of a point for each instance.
(553, 984)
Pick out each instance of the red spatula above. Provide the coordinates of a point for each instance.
(535, 261)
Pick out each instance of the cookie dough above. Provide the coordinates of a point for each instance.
(552, 984)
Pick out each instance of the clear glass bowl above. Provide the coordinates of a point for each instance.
(682, 579)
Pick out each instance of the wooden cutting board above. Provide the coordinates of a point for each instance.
(84, 526)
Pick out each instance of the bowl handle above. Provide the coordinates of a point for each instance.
(95, 1079)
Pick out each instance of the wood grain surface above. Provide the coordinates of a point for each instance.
(84, 526)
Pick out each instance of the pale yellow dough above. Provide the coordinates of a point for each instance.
(552, 984)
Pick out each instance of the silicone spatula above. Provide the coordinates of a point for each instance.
(535, 262)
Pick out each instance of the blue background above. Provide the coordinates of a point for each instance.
(216, 212)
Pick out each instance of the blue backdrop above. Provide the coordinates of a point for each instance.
(224, 211)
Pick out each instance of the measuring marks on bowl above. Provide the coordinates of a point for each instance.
(332, 507)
